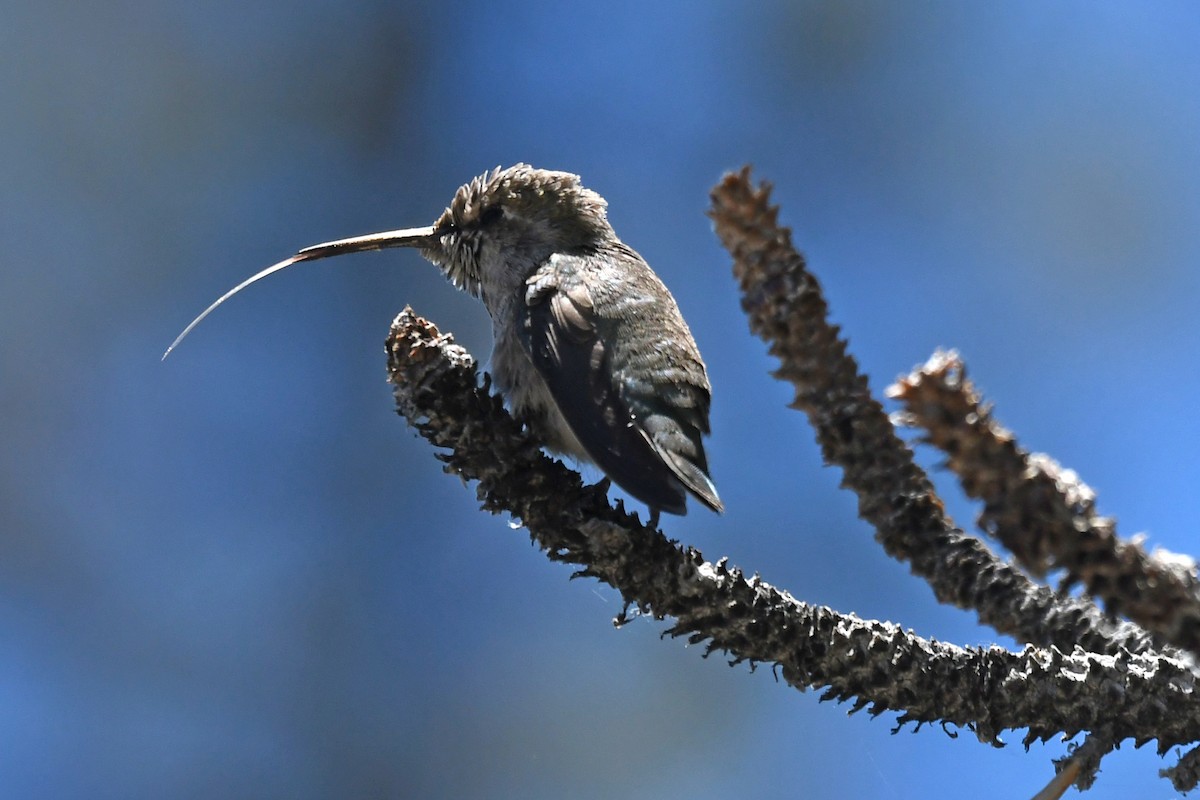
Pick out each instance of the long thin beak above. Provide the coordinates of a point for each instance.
(406, 237)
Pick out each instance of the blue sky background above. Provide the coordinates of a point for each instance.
(238, 574)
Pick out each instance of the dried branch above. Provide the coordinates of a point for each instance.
(1124, 688)
(1185, 775)
(1082, 763)
(787, 310)
(875, 664)
(1044, 514)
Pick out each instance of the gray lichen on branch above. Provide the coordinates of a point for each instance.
(1044, 514)
(786, 308)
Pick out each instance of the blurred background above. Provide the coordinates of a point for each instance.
(238, 573)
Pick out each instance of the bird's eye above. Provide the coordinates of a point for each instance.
(489, 215)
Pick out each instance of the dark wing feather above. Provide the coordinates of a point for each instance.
(645, 437)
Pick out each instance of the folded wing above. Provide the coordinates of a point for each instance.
(635, 397)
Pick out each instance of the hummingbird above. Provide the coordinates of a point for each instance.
(589, 346)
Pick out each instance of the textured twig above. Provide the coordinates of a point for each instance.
(1185, 775)
(876, 664)
(787, 310)
(1043, 513)
(1059, 784)
(1081, 764)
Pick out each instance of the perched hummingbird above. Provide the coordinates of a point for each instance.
(590, 348)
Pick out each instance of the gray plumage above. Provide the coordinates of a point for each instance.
(616, 376)
(590, 348)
